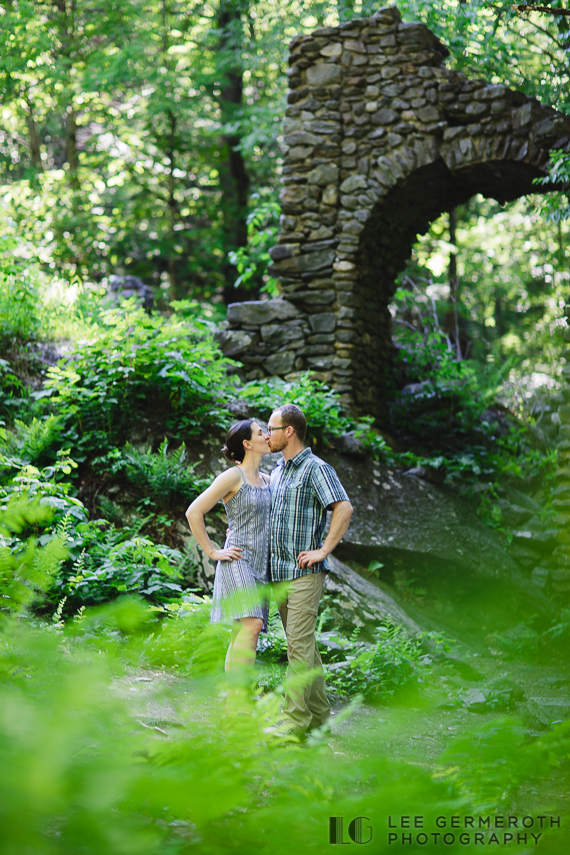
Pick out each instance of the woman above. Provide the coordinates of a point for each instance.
(243, 564)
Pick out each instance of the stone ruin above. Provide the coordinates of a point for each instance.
(380, 140)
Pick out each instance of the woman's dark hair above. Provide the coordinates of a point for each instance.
(233, 449)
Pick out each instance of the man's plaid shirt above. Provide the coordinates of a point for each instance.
(301, 491)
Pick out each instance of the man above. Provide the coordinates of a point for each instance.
(303, 488)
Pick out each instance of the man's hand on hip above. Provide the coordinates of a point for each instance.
(310, 557)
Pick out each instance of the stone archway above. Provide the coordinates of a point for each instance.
(381, 139)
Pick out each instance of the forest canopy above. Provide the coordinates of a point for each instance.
(145, 137)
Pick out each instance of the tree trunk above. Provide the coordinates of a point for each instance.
(34, 139)
(234, 180)
(172, 204)
(71, 148)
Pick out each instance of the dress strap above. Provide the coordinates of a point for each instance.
(242, 475)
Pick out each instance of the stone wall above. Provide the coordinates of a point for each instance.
(380, 139)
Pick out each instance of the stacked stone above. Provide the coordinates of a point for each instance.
(380, 140)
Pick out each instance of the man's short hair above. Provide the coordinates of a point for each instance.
(292, 415)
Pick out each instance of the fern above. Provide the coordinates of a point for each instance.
(162, 477)
(36, 437)
(110, 510)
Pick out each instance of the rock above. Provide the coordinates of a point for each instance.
(428, 114)
(541, 540)
(475, 700)
(233, 342)
(283, 250)
(401, 518)
(552, 126)
(310, 261)
(525, 555)
(354, 182)
(323, 74)
(518, 639)
(503, 693)
(323, 175)
(261, 312)
(517, 497)
(540, 576)
(429, 473)
(514, 515)
(370, 109)
(352, 446)
(125, 287)
(385, 117)
(564, 413)
(549, 710)
(364, 603)
(239, 410)
(282, 334)
(280, 363)
(324, 322)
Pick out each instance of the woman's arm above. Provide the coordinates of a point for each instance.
(226, 484)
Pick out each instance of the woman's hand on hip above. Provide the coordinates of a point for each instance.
(232, 553)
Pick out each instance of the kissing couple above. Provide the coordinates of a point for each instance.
(276, 538)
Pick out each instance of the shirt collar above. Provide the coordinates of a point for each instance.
(300, 457)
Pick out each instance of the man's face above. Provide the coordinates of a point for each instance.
(277, 433)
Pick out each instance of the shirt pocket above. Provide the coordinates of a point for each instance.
(293, 488)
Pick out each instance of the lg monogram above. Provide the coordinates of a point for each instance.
(356, 830)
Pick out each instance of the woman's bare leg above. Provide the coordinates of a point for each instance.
(243, 646)
(229, 654)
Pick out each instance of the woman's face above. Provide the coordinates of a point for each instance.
(258, 442)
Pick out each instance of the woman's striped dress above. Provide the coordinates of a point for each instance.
(241, 587)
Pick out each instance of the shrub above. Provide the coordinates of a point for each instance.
(138, 364)
(377, 670)
(108, 566)
(95, 561)
(24, 571)
(19, 316)
(13, 391)
(162, 478)
(31, 440)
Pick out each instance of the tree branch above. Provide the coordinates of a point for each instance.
(546, 10)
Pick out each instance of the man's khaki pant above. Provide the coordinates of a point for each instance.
(306, 706)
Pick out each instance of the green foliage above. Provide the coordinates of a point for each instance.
(24, 572)
(19, 318)
(451, 395)
(12, 389)
(556, 206)
(321, 405)
(471, 762)
(559, 632)
(85, 561)
(32, 439)
(252, 260)
(108, 566)
(137, 364)
(162, 478)
(377, 670)
(93, 771)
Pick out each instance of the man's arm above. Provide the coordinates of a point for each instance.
(342, 512)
